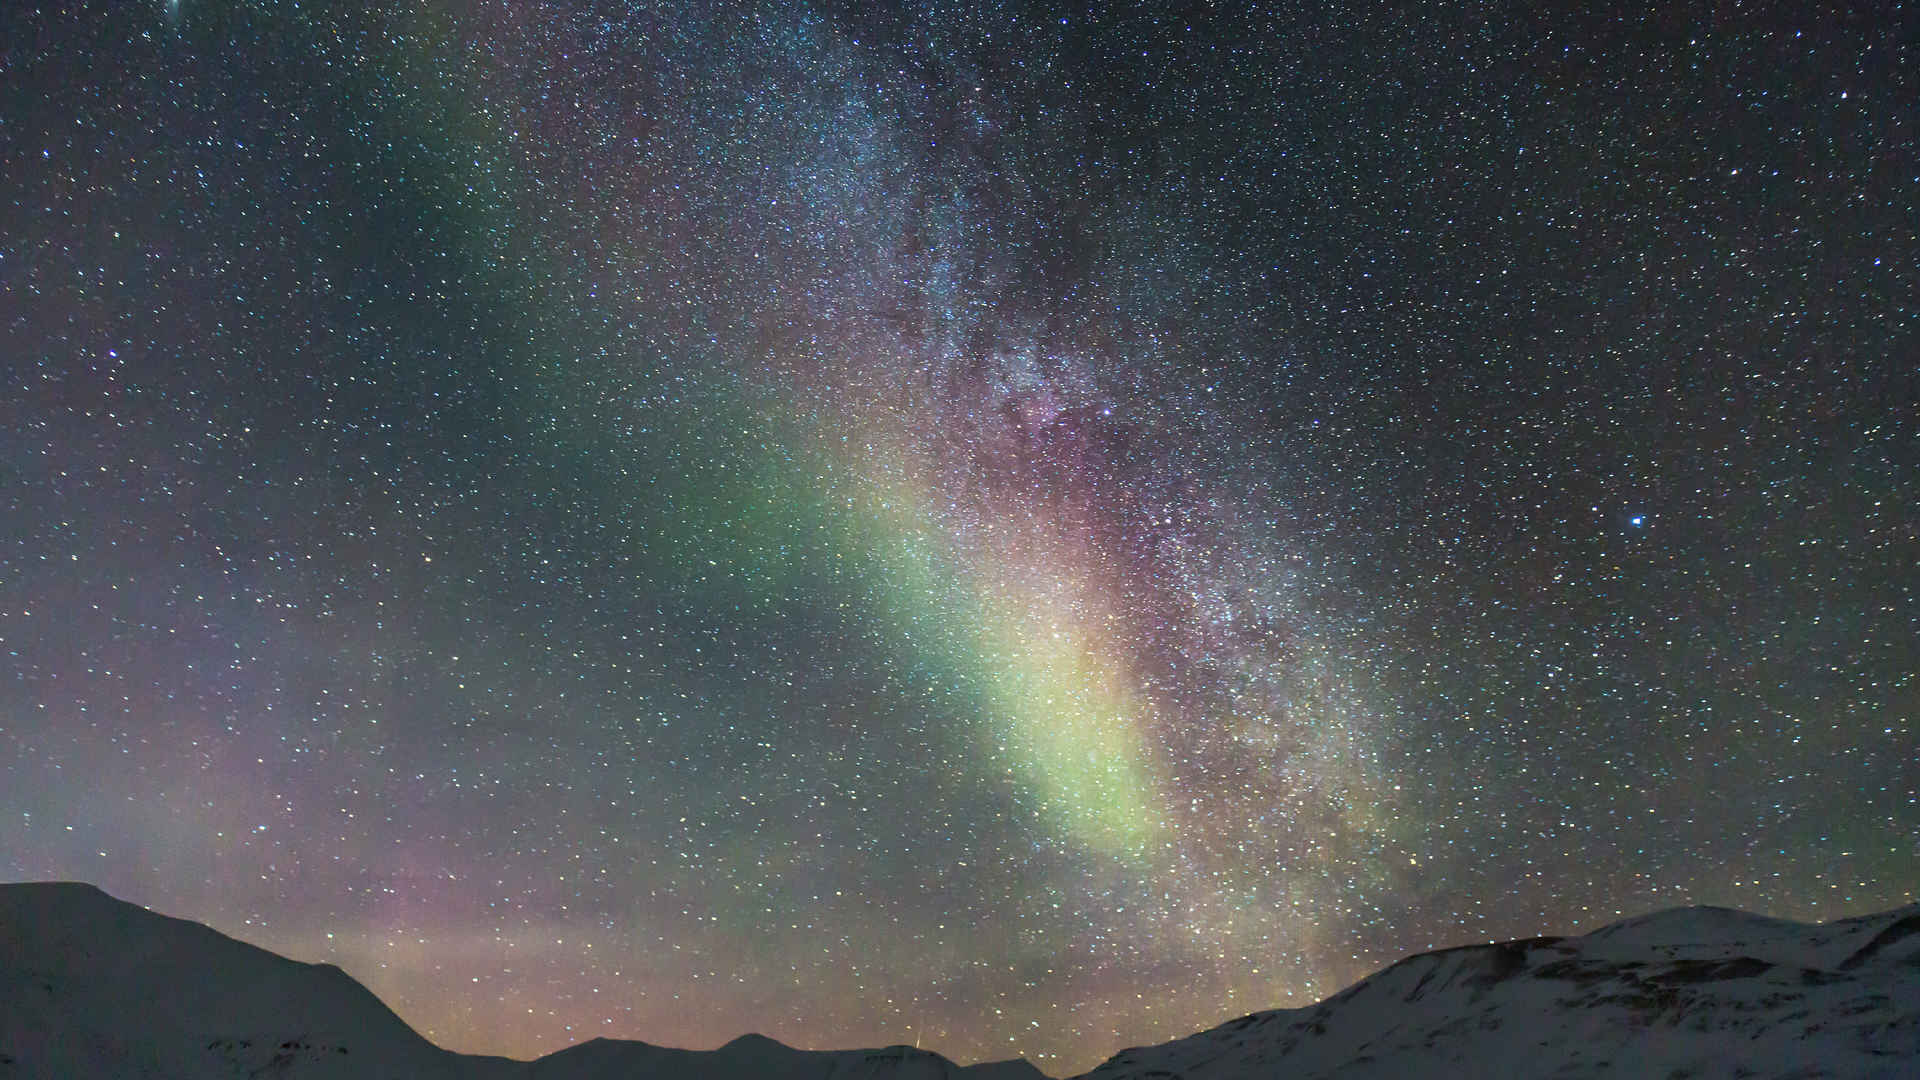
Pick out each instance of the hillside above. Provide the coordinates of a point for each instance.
(91, 986)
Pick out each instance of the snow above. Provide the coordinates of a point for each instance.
(94, 987)
(1694, 992)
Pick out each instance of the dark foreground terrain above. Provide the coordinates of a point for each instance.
(91, 986)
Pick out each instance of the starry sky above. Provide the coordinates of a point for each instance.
(1023, 529)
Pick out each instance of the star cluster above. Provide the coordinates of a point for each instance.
(1027, 530)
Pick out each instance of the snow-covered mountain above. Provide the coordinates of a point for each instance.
(94, 987)
(1692, 992)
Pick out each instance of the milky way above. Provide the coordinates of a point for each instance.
(1023, 530)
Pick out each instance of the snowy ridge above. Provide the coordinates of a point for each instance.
(94, 987)
(1692, 992)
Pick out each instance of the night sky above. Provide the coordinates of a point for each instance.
(1022, 529)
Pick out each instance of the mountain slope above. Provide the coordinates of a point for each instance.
(756, 1057)
(1692, 992)
(91, 986)
(94, 987)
